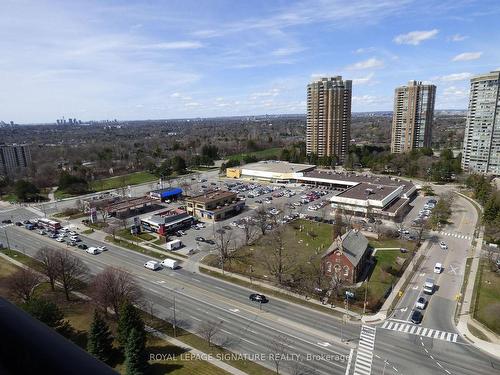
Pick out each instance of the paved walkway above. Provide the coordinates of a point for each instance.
(493, 347)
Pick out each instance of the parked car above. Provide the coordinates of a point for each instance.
(421, 303)
(416, 317)
(257, 297)
(200, 239)
(19, 224)
(82, 246)
(60, 239)
(443, 245)
(7, 221)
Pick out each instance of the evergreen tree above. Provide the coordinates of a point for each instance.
(100, 342)
(129, 319)
(49, 313)
(135, 354)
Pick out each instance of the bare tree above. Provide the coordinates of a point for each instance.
(278, 350)
(261, 219)
(209, 330)
(70, 271)
(337, 225)
(22, 283)
(113, 287)
(299, 368)
(104, 212)
(48, 259)
(224, 245)
(277, 260)
(249, 231)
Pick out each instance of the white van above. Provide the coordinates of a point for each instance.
(170, 263)
(429, 286)
(173, 245)
(93, 250)
(152, 265)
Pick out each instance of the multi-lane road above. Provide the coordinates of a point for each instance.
(394, 346)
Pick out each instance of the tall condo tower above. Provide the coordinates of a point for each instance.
(412, 117)
(481, 152)
(329, 117)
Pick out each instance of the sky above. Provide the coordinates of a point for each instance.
(153, 59)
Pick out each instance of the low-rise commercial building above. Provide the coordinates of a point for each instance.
(214, 205)
(270, 170)
(166, 194)
(167, 222)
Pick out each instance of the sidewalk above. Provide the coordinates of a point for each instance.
(384, 310)
(465, 318)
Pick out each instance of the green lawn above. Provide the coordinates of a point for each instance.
(134, 247)
(122, 181)
(9, 198)
(59, 194)
(125, 233)
(487, 302)
(384, 275)
(261, 155)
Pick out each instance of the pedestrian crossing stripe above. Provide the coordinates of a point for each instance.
(364, 354)
(456, 235)
(420, 331)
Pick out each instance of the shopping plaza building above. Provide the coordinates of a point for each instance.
(362, 194)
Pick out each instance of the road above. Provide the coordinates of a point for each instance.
(246, 329)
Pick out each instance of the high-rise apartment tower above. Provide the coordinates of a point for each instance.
(412, 117)
(14, 159)
(481, 151)
(329, 117)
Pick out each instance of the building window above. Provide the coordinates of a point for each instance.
(329, 267)
(338, 268)
(346, 271)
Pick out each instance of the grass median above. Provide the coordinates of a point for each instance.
(487, 296)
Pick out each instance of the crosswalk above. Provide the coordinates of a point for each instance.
(420, 331)
(5, 225)
(364, 355)
(456, 235)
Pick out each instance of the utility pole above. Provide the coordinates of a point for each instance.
(385, 365)
(366, 292)
(6, 238)
(175, 321)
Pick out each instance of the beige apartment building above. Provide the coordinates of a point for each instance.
(413, 116)
(329, 117)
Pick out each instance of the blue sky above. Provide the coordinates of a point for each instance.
(168, 59)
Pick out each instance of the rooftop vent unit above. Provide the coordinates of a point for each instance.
(369, 191)
(380, 187)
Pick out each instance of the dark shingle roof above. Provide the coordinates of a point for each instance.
(354, 245)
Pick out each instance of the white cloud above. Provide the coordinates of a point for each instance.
(286, 51)
(183, 44)
(367, 64)
(457, 38)
(364, 80)
(467, 56)
(365, 50)
(270, 93)
(178, 95)
(454, 77)
(414, 38)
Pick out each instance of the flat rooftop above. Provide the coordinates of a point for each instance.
(275, 166)
(353, 177)
(366, 190)
(212, 195)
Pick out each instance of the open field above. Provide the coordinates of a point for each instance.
(125, 233)
(487, 301)
(269, 153)
(122, 181)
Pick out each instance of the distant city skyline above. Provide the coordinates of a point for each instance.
(131, 60)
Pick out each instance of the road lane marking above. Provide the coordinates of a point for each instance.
(412, 329)
(364, 354)
(349, 362)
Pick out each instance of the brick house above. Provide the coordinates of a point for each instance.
(347, 256)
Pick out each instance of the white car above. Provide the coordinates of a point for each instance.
(438, 268)
(443, 245)
(421, 303)
(93, 250)
(60, 239)
(102, 248)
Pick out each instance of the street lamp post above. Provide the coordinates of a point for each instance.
(175, 321)
(385, 365)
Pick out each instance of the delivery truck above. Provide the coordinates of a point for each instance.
(152, 265)
(174, 245)
(170, 263)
